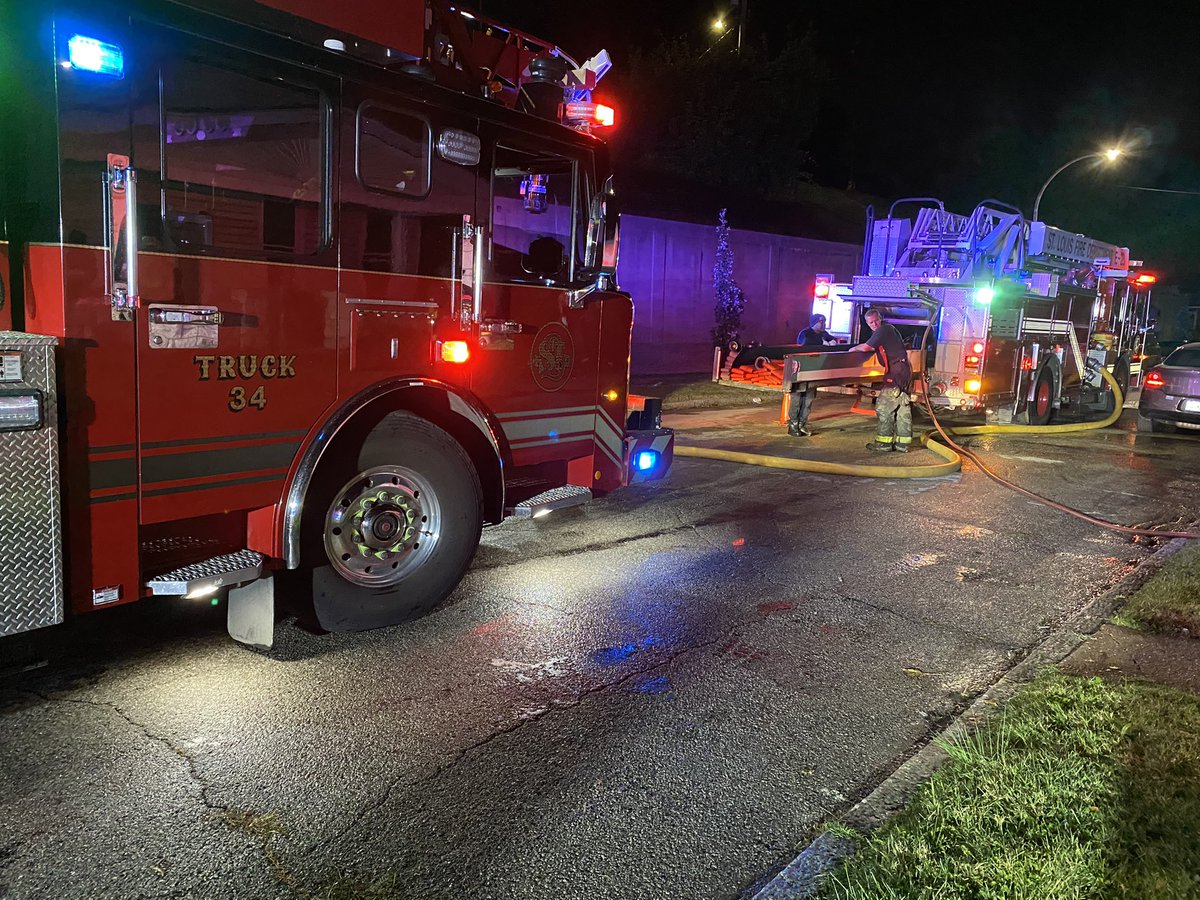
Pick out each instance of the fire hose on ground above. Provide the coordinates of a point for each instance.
(952, 452)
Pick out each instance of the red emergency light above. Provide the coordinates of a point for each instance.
(821, 290)
(455, 351)
(978, 347)
(1145, 279)
(590, 114)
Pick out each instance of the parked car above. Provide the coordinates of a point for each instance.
(1171, 392)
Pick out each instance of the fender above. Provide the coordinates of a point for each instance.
(391, 395)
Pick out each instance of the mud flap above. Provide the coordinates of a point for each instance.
(252, 613)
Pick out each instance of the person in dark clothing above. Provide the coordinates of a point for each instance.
(893, 406)
(803, 395)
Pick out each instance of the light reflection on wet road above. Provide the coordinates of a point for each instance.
(659, 695)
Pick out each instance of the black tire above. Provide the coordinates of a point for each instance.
(1040, 409)
(1121, 376)
(410, 480)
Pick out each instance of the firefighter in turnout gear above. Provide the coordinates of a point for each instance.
(803, 395)
(893, 407)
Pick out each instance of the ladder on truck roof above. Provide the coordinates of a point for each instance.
(992, 239)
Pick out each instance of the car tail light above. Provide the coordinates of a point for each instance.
(1154, 379)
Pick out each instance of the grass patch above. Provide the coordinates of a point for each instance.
(1170, 601)
(1079, 789)
(700, 392)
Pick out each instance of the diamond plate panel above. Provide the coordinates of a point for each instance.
(555, 498)
(31, 564)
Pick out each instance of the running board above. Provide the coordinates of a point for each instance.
(208, 577)
(557, 498)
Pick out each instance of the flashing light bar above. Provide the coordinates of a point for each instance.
(1145, 278)
(90, 55)
(590, 114)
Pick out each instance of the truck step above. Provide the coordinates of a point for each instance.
(208, 577)
(556, 498)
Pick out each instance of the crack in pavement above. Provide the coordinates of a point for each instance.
(236, 820)
(179, 752)
(940, 626)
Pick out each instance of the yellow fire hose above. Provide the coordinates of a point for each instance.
(953, 455)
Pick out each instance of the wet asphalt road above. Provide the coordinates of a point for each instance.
(660, 695)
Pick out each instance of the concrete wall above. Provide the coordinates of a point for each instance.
(668, 268)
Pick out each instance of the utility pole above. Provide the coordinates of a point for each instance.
(741, 4)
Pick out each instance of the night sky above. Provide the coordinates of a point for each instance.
(967, 100)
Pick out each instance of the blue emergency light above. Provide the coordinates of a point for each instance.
(645, 460)
(90, 55)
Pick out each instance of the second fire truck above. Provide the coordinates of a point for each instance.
(297, 289)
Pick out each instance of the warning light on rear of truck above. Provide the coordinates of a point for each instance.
(985, 295)
(645, 460)
(1145, 279)
(455, 351)
(821, 287)
(972, 385)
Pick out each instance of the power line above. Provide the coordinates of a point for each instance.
(1133, 187)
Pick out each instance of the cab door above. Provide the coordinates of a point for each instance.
(539, 334)
(235, 327)
(408, 182)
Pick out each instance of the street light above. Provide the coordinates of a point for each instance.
(1109, 155)
(718, 25)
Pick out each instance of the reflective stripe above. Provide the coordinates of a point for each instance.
(543, 413)
(549, 427)
(883, 439)
(903, 440)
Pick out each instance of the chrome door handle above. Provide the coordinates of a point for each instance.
(496, 326)
(178, 315)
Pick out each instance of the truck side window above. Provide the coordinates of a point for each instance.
(244, 162)
(401, 206)
(393, 151)
(533, 197)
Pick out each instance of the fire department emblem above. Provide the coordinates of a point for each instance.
(552, 357)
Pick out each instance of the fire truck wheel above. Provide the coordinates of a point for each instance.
(393, 528)
(1041, 407)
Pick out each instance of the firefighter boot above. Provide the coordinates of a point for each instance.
(879, 448)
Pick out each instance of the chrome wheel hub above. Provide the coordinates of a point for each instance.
(382, 524)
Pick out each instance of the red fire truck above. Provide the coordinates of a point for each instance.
(297, 293)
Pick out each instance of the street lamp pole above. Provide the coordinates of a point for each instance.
(1109, 155)
(741, 24)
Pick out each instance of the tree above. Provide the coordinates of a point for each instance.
(730, 299)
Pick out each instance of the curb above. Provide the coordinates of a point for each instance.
(801, 878)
